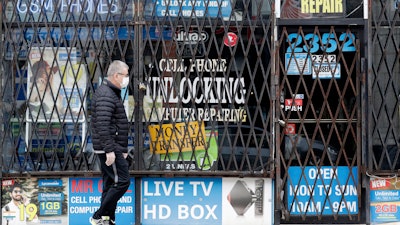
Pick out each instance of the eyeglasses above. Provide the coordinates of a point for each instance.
(125, 75)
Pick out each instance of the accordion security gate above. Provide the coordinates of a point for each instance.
(289, 105)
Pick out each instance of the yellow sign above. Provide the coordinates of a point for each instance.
(178, 137)
(321, 6)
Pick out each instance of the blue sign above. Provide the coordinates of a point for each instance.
(299, 63)
(108, 33)
(181, 201)
(50, 183)
(189, 8)
(85, 197)
(322, 191)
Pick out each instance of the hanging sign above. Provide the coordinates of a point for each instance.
(385, 198)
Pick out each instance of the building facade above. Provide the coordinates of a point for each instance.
(303, 95)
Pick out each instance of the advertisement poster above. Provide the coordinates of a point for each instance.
(85, 196)
(62, 201)
(385, 200)
(213, 201)
(34, 201)
(317, 191)
(184, 145)
(56, 86)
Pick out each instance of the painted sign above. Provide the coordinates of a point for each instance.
(327, 42)
(224, 90)
(385, 198)
(178, 137)
(184, 145)
(322, 191)
(65, 10)
(214, 201)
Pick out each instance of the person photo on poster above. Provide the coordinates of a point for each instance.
(42, 99)
(19, 210)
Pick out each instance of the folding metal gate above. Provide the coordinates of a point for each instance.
(319, 141)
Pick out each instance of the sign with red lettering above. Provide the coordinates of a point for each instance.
(293, 104)
(34, 201)
(384, 196)
(85, 197)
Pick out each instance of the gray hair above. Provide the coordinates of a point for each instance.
(115, 67)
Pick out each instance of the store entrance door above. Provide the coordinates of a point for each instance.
(318, 109)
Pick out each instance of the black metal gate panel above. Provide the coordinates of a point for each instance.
(319, 146)
(384, 90)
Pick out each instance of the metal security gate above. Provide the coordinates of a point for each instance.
(384, 90)
(192, 64)
(319, 146)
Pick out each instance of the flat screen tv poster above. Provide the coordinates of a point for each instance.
(176, 201)
(211, 201)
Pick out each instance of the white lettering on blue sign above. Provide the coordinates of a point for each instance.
(188, 200)
(331, 193)
(186, 8)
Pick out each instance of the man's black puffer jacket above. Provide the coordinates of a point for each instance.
(109, 123)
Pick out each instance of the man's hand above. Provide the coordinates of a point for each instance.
(125, 155)
(110, 158)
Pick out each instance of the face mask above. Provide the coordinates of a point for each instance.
(125, 82)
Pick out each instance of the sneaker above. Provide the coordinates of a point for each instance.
(95, 221)
(103, 221)
(106, 220)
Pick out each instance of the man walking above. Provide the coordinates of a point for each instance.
(109, 125)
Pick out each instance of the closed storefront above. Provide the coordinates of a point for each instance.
(271, 112)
